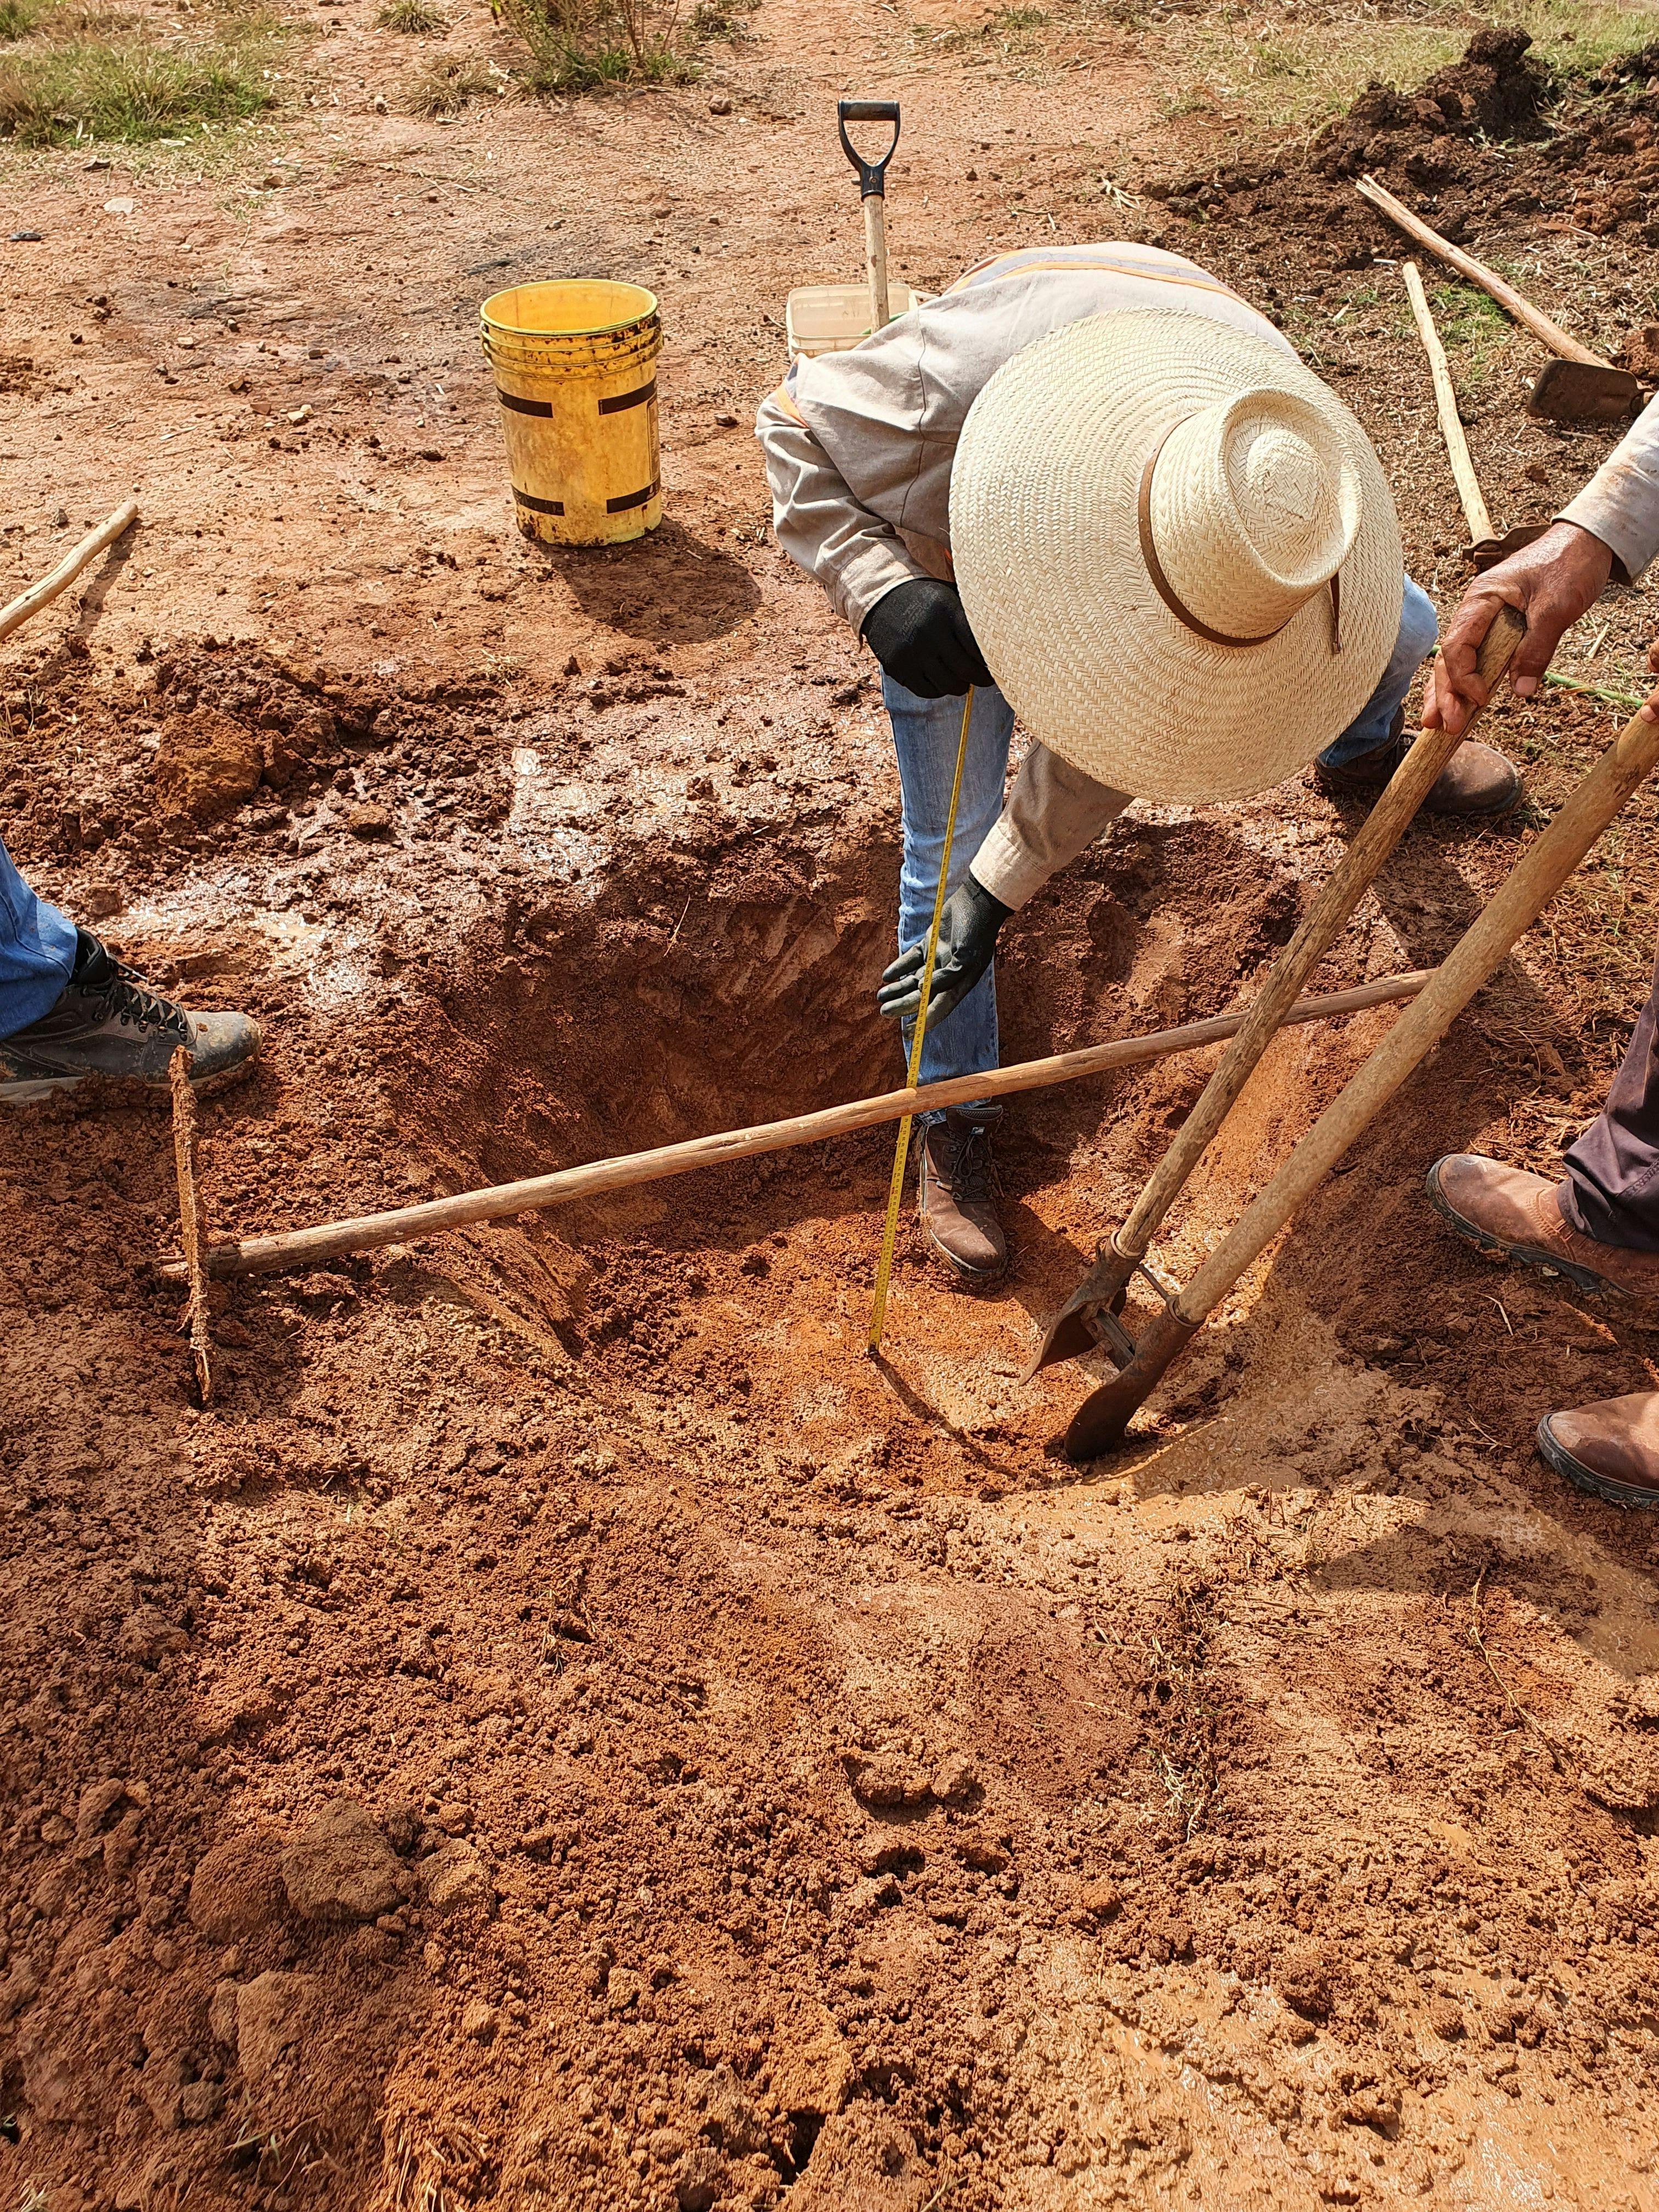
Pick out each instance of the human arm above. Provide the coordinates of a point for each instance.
(859, 558)
(1610, 530)
(1550, 583)
(1053, 811)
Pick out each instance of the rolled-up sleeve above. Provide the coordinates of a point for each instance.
(1620, 503)
(854, 555)
(1052, 812)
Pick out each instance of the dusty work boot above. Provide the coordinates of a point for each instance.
(109, 1023)
(959, 1197)
(1475, 781)
(1611, 1447)
(1506, 1210)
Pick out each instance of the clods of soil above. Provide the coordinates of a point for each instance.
(566, 1728)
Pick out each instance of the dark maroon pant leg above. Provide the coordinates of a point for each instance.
(1613, 1171)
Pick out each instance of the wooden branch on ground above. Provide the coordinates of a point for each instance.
(331, 1240)
(41, 594)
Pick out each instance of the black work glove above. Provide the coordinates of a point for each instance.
(921, 636)
(967, 939)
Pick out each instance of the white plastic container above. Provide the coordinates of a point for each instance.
(835, 317)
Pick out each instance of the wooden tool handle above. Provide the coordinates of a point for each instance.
(875, 255)
(1517, 904)
(1475, 511)
(301, 1247)
(1557, 340)
(1378, 834)
(39, 595)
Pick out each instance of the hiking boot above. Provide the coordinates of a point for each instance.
(1610, 1449)
(1506, 1210)
(108, 1023)
(1476, 781)
(957, 1201)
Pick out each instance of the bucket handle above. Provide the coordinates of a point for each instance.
(872, 175)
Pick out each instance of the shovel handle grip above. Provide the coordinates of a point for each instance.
(872, 175)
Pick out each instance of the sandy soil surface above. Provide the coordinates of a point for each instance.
(565, 1728)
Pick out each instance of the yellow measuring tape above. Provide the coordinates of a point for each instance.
(901, 1152)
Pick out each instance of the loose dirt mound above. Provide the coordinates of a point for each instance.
(1581, 154)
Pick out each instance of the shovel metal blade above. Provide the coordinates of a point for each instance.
(1577, 391)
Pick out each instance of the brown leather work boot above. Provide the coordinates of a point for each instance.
(1610, 1449)
(1475, 781)
(1506, 1210)
(957, 1198)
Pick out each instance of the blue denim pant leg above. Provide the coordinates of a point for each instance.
(925, 732)
(1418, 631)
(37, 952)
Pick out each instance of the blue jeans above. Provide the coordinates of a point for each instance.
(37, 951)
(924, 734)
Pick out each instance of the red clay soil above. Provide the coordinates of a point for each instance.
(565, 1728)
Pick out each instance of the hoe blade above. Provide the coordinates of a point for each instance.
(1486, 552)
(1575, 392)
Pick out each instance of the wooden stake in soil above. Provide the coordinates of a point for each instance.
(901, 1151)
(191, 1224)
(41, 594)
(297, 1248)
(1485, 549)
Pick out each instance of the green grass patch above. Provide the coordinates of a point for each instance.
(16, 18)
(583, 45)
(1296, 76)
(1474, 329)
(87, 90)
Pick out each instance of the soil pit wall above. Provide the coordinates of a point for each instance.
(778, 1780)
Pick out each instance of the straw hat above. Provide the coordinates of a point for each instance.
(1177, 552)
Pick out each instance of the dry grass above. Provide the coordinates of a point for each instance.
(82, 75)
(447, 85)
(411, 16)
(1293, 77)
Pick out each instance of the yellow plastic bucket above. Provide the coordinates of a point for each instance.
(575, 368)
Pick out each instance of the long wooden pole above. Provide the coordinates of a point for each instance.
(1514, 907)
(329, 1239)
(1070, 1334)
(39, 595)
(190, 1224)
(1099, 1422)
(1476, 512)
(1557, 340)
(1376, 838)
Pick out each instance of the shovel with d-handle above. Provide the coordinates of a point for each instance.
(1485, 548)
(1578, 386)
(1087, 1322)
(873, 187)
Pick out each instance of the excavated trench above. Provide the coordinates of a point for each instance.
(782, 1781)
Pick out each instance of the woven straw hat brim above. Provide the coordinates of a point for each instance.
(1044, 533)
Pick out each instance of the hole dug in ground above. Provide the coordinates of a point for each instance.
(778, 1777)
